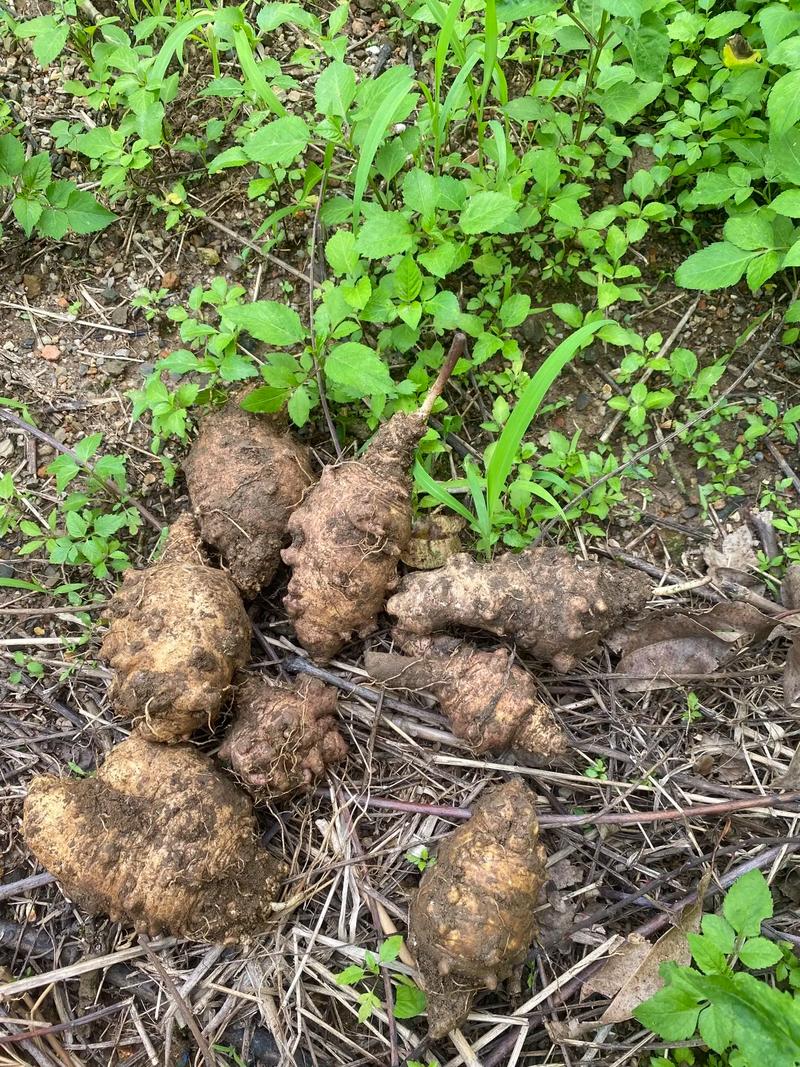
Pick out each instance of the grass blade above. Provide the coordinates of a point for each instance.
(376, 133)
(439, 493)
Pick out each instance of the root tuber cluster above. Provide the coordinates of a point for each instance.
(245, 475)
(555, 607)
(158, 838)
(491, 702)
(178, 633)
(283, 737)
(472, 919)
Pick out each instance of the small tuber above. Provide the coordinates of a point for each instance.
(555, 607)
(159, 838)
(178, 633)
(350, 530)
(490, 701)
(472, 919)
(282, 736)
(245, 474)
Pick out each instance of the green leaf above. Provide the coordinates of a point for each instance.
(65, 469)
(546, 170)
(621, 101)
(713, 188)
(507, 445)
(764, 1021)
(715, 1028)
(514, 310)
(12, 158)
(359, 369)
(787, 203)
(747, 903)
(420, 192)
(182, 361)
(718, 931)
(750, 232)
(390, 949)
(84, 214)
(706, 954)
(566, 209)
(335, 89)
(724, 24)
(671, 1013)
(407, 280)
(266, 398)
(783, 106)
(409, 1001)
(368, 1003)
(49, 37)
(758, 952)
(87, 446)
(380, 122)
(647, 45)
(792, 257)
(341, 253)
(626, 9)
(714, 267)
(299, 406)
(27, 213)
(784, 154)
(236, 368)
(350, 975)
(36, 172)
(487, 212)
(762, 268)
(276, 324)
(278, 142)
(384, 234)
(433, 488)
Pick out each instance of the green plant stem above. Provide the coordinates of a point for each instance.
(590, 75)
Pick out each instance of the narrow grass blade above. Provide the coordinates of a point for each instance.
(439, 493)
(376, 133)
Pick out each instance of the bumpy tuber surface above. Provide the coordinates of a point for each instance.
(246, 474)
(472, 919)
(350, 530)
(178, 633)
(283, 737)
(555, 607)
(490, 701)
(159, 838)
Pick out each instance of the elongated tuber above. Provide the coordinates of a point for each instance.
(490, 701)
(178, 633)
(283, 736)
(472, 919)
(245, 474)
(555, 607)
(350, 530)
(159, 838)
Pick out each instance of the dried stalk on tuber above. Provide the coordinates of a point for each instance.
(159, 838)
(245, 475)
(178, 633)
(555, 607)
(350, 530)
(472, 919)
(490, 701)
(283, 737)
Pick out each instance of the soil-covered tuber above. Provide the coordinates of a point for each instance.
(472, 919)
(159, 838)
(490, 701)
(178, 633)
(555, 607)
(246, 474)
(283, 737)
(350, 530)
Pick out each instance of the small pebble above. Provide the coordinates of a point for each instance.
(52, 353)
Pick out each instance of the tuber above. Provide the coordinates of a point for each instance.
(490, 701)
(472, 919)
(555, 607)
(159, 838)
(245, 474)
(350, 530)
(178, 633)
(283, 736)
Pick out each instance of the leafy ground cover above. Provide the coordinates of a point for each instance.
(310, 199)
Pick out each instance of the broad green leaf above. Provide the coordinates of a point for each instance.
(621, 102)
(87, 446)
(514, 310)
(335, 89)
(777, 22)
(409, 1001)
(566, 209)
(271, 16)
(49, 37)
(724, 24)
(236, 368)
(784, 155)
(714, 267)
(792, 258)
(786, 54)
(350, 975)
(36, 172)
(546, 170)
(514, 10)
(420, 191)
(299, 406)
(713, 188)
(787, 203)
(390, 949)
(719, 931)
(340, 252)
(758, 952)
(765, 1022)
(671, 1013)
(278, 142)
(715, 1028)
(747, 903)
(384, 234)
(751, 232)
(27, 213)
(762, 268)
(276, 324)
(647, 45)
(487, 212)
(65, 470)
(84, 214)
(266, 398)
(407, 280)
(705, 953)
(439, 261)
(783, 105)
(12, 158)
(359, 369)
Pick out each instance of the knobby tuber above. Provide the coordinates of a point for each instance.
(555, 607)
(159, 838)
(490, 701)
(350, 530)
(178, 633)
(245, 474)
(472, 919)
(283, 736)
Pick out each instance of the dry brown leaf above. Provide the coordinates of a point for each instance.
(734, 559)
(716, 756)
(680, 644)
(619, 968)
(645, 980)
(790, 779)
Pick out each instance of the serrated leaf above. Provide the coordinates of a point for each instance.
(359, 369)
(783, 105)
(384, 234)
(390, 948)
(276, 324)
(27, 213)
(407, 280)
(672, 1013)
(514, 310)
(719, 931)
(747, 903)
(350, 975)
(757, 953)
(785, 203)
(87, 446)
(335, 89)
(278, 142)
(299, 406)
(714, 267)
(784, 154)
(750, 232)
(84, 214)
(621, 101)
(12, 158)
(409, 1001)
(341, 253)
(487, 212)
(715, 1028)
(706, 954)
(264, 399)
(420, 191)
